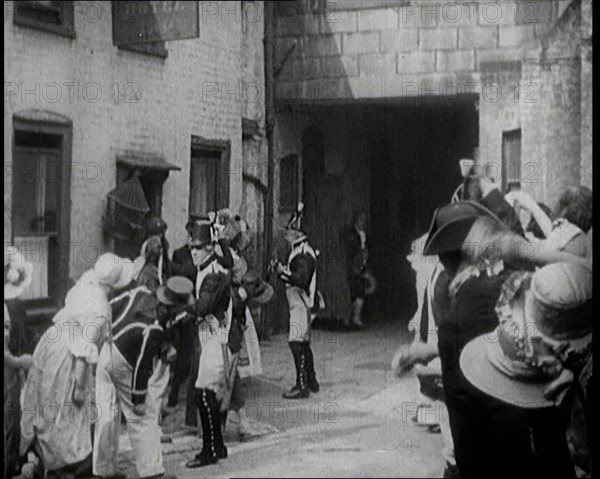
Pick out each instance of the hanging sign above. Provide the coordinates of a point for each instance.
(142, 22)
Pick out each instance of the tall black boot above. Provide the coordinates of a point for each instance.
(300, 391)
(206, 401)
(217, 420)
(311, 375)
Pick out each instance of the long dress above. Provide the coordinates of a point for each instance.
(61, 428)
(12, 409)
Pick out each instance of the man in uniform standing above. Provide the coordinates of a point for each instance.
(301, 291)
(212, 257)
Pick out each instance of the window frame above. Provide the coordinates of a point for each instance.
(223, 148)
(65, 29)
(154, 49)
(65, 132)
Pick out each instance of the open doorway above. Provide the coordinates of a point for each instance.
(398, 162)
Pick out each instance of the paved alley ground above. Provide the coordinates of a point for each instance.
(359, 425)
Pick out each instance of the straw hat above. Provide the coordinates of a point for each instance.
(545, 329)
(18, 273)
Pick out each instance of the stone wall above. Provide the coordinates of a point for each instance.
(419, 47)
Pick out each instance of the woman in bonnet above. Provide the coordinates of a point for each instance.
(59, 384)
(17, 277)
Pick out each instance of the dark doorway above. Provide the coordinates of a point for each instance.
(379, 241)
(398, 162)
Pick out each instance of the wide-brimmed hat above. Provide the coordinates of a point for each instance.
(114, 271)
(18, 273)
(451, 224)
(545, 328)
(177, 290)
(259, 291)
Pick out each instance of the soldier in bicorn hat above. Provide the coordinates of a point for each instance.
(303, 301)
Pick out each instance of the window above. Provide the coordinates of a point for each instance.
(156, 49)
(55, 17)
(40, 207)
(209, 176)
(288, 183)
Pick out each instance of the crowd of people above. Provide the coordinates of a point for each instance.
(129, 330)
(502, 345)
(504, 331)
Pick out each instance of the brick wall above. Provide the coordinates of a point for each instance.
(586, 94)
(422, 45)
(196, 90)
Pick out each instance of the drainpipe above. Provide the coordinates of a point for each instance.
(269, 126)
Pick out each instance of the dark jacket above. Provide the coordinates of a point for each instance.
(138, 336)
(302, 269)
(238, 322)
(354, 252)
(182, 264)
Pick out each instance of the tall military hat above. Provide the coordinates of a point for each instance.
(295, 223)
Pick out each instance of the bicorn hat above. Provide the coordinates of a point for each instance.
(451, 225)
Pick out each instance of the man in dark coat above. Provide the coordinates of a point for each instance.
(184, 333)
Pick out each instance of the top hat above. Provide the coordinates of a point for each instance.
(451, 224)
(177, 290)
(202, 231)
(18, 273)
(545, 328)
(190, 223)
(259, 291)
(114, 271)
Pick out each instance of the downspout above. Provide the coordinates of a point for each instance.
(269, 127)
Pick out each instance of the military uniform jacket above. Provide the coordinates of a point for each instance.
(301, 269)
(138, 336)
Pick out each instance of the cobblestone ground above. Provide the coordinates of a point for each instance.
(359, 425)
